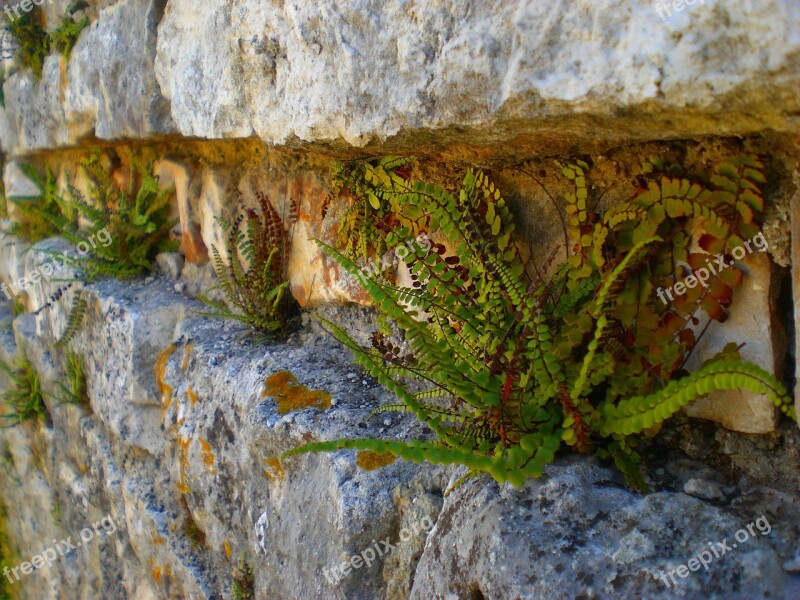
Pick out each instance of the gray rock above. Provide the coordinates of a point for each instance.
(577, 532)
(109, 88)
(705, 490)
(372, 70)
(170, 264)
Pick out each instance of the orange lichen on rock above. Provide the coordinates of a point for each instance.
(156, 539)
(274, 470)
(160, 370)
(186, 355)
(371, 461)
(291, 395)
(208, 455)
(191, 395)
(183, 461)
(227, 548)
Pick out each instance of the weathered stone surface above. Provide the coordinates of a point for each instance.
(540, 74)
(753, 322)
(365, 70)
(108, 87)
(180, 176)
(578, 533)
(17, 184)
(222, 434)
(199, 451)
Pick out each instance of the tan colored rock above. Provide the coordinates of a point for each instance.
(172, 173)
(753, 322)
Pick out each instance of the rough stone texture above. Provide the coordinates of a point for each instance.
(196, 450)
(200, 450)
(578, 533)
(107, 88)
(754, 322)
(177, 442)
(308, 70)
(550, 74)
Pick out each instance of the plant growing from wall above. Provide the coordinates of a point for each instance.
(34, 43)
(63, 39)
(366, 185)
(30, 224)
(192, 531)
(31, 39)
(75, 391)
(24, 396)
(258, 293)
(117, 233)
(506, 368)
(242, 584)
(125, 230)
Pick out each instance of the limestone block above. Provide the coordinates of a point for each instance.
(371, 70)
(576, 533)
(753, 321)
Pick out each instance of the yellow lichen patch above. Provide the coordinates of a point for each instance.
(191, 395)
(160, 371)
(158, 574)
(227, 548)
(183, 461)
(156, 539)
(291, 395)
(371, 461)
(274, 471)
(186, 353)
(207, 455)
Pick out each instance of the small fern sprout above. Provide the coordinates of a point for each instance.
(24, 397)
(257, 293)
(75, 390)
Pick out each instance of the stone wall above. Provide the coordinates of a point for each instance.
(235, 98)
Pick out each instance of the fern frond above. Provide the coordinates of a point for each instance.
(642, 412)
(77, 314)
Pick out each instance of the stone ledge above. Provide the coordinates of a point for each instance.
(530, 74)
(215, 432)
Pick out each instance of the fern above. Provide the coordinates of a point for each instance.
(259, 295)
(369, 216)
(32, 224)
(24, 397)
(505, 368)
(125, 231)
(34, 43)
(31, 38)
(77, 314)
(75, 390)
(63, 39)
